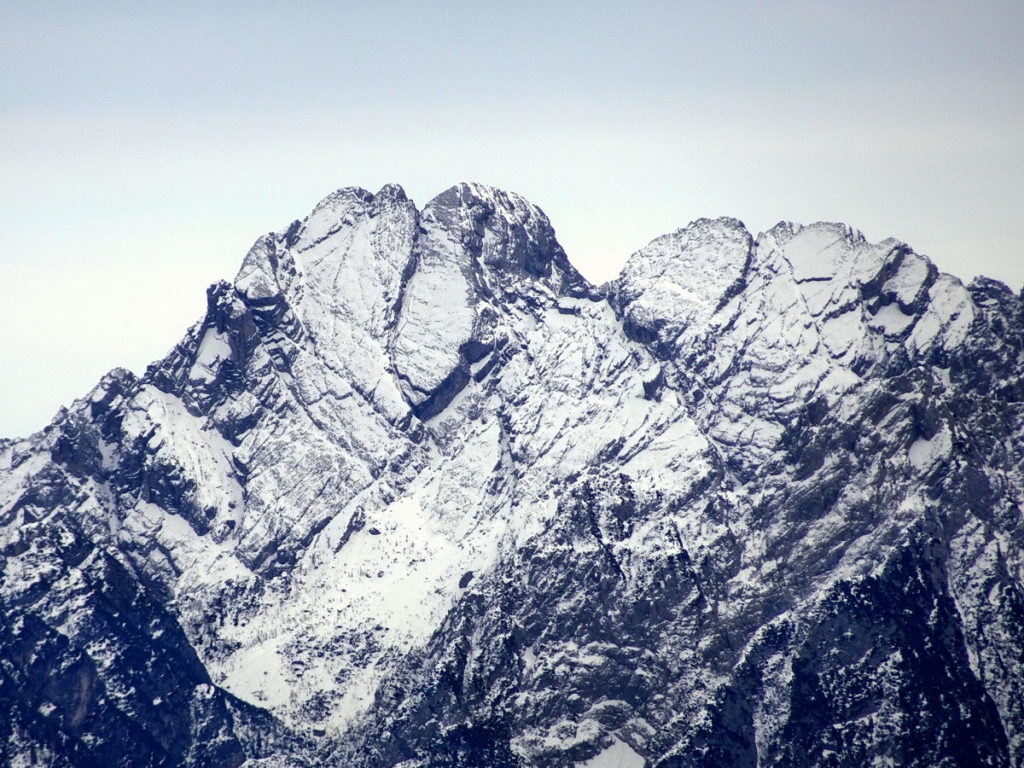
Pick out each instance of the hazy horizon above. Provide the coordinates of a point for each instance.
(146, 149)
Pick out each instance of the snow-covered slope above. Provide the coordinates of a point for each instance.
(414, 492)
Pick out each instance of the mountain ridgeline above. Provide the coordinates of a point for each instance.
(415, 493)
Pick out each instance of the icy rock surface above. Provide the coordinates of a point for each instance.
(414, 493)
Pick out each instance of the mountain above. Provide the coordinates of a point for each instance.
(414, 492)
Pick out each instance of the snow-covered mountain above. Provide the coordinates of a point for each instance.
(413, 492)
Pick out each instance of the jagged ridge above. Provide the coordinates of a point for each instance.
(423, 493)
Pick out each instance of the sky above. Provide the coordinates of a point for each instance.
(144, 147)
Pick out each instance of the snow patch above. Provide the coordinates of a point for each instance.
(923, 453)
(618, 755)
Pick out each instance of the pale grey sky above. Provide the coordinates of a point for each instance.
(144, 149)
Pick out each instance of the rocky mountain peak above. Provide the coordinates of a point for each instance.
(510, 240)
(413, 493)
(693, 271)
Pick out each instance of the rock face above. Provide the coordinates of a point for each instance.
(413, 492)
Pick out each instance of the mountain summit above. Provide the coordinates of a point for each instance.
(413, 492)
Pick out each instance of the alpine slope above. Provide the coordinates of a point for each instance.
(415, 493)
